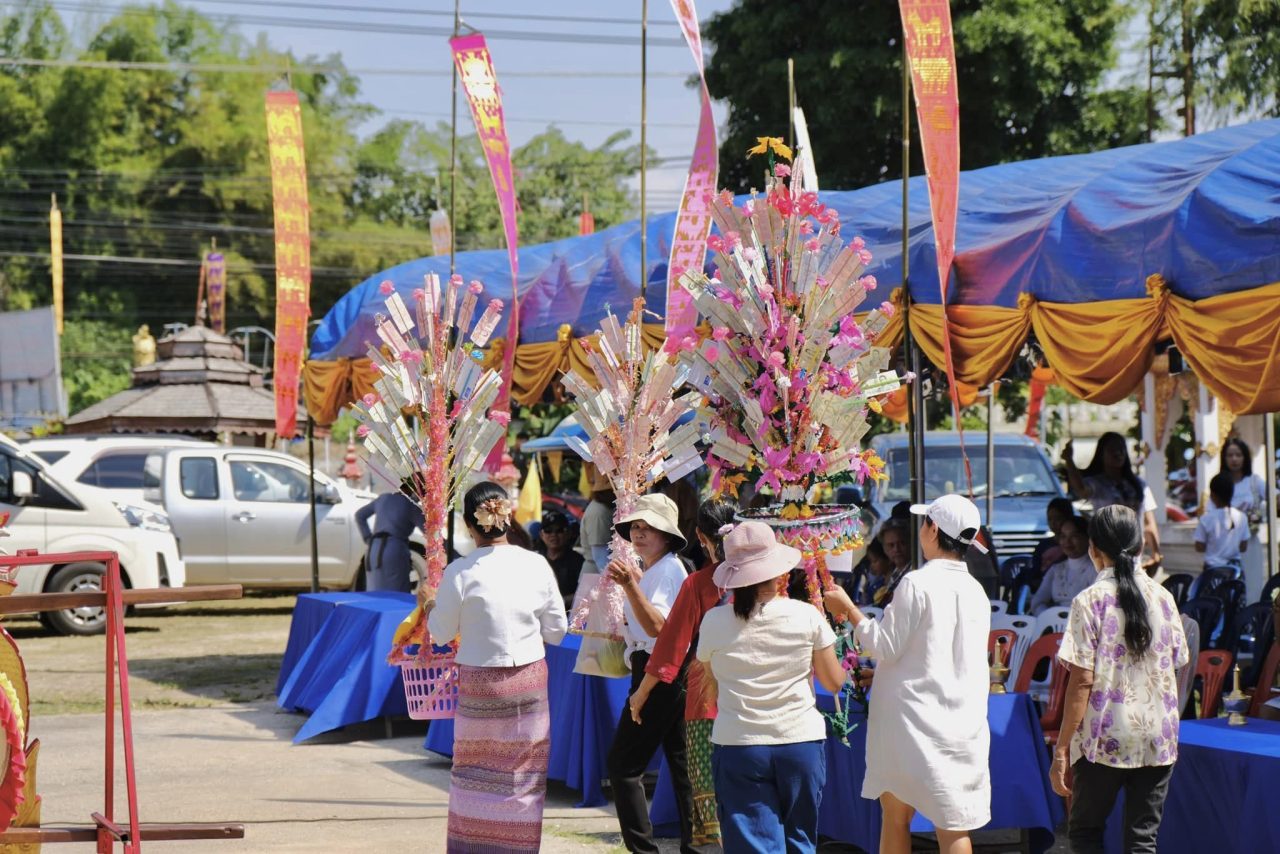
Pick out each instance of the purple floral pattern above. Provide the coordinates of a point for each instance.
(1131, 720)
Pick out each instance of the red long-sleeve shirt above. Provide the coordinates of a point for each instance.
(698, 595)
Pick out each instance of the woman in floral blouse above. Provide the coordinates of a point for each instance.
(1123, 644)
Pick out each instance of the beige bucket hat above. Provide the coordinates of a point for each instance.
(656, 511)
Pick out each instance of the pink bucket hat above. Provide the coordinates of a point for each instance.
(752, 554)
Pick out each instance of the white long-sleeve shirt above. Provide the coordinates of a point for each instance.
(927, 734)
(1062, 582)
(502, 603)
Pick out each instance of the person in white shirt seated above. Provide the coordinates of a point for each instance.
(502, 604)
(1222, 534)
(1070, 575)
(763, 651)
(928, 738)
(653, 529)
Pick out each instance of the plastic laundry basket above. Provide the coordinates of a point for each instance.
(431, 686)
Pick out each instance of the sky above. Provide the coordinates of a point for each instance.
(597, 94)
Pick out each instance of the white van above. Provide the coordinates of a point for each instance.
(50, 516)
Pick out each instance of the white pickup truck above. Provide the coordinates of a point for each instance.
(242, 516)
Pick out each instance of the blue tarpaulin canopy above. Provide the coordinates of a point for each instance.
(1202, 211)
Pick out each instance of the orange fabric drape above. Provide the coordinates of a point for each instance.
(1100, 351)
(329, 386)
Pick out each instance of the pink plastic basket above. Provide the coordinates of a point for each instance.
(431, 687)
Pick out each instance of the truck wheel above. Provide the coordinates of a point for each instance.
(78, 578)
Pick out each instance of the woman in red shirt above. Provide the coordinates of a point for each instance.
(675, 644)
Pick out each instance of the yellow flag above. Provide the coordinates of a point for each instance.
(584, 481)
(529, 506)
(555, 459)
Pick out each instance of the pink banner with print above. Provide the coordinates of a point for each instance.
(693, 222)
(927, 25)
(479, 81)
(215, 282)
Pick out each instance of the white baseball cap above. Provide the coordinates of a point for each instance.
(956, 516)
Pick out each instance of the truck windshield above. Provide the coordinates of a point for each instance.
(1019, 471)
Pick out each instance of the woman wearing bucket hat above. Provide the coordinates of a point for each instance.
(764, 650)
(927, 733)
(653, 529)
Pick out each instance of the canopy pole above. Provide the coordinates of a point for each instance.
(311, 497)
(991, 458)
(453, 231)
(1269, 442)
(644, 143)
(915, 400)
(791, 103)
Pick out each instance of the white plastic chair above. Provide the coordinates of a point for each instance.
(1052, 620)
(999, 606)
(1025, 629)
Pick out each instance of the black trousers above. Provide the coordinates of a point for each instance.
(1094, 789)
(635, 745)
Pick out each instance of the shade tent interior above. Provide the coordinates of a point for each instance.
(1101, 256)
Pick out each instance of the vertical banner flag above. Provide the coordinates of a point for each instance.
(293, 251)
(441, 233)
(586, 224)
(693, 221)
(932, 55)
(55, 260)
(475, 71)
(215, 266)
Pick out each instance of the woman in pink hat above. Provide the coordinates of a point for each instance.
(769, 759)
(927, 734)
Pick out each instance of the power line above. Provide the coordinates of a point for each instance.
(246, 68)
(392, 10)
(390, 28)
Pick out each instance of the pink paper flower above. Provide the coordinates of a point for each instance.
(776, 359)
(811, 244)
(455, 279)
(475, 287)
(715, 243)
(720, 333)
(749, 208)
(411, 357)
(887, 309)
(864, 255)
(750, 254)
(386, 288)
(419, 294)
(501, 417)
(869, 282)
(806, 227)
(732, 240)
(782, 170)
(857, 243)
(370, 399)
(713, 353)
(726, 197)
(362, 430)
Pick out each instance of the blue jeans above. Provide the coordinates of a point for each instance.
(769, 796)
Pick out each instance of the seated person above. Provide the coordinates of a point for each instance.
(1069, 576)
(555, 543)
(1222, 534)
(878, 569)
(895, 538)
(1049, 550)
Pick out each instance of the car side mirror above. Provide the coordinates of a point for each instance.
(22, 487)
(328, 494)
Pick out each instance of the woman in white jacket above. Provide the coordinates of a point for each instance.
(927, 734)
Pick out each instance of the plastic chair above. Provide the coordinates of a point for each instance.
(1043, 649)
(1012, 571)
(1052, 620)
(1269, 589)
(1266, 687)
(1231, 593)
(1206, 611)
(1212, 667)
(999, 606)
(1008, 637)
(1024, 626)
(1208, 581)
(1187, 673)
(1242, 637)
(1179, 585)
(1051, 720)
(1020, 600)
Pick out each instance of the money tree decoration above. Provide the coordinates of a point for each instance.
(787, 372)
(433, 372)
(629, 420)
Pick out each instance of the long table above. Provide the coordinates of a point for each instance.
(334, 667)
(1222, 796)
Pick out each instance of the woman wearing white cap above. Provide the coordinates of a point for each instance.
(927, 733)
(769, 759)
(653, 529)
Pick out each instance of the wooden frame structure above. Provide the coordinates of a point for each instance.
(106, 831)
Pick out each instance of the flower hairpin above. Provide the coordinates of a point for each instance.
(725, 530)
(493, 513)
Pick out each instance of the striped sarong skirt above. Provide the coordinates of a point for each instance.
(501, 743)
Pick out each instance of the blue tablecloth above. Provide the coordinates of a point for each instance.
(334, 664)
(1222, 796)
(1020, 792)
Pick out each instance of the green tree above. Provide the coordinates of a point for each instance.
(1029, 74)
